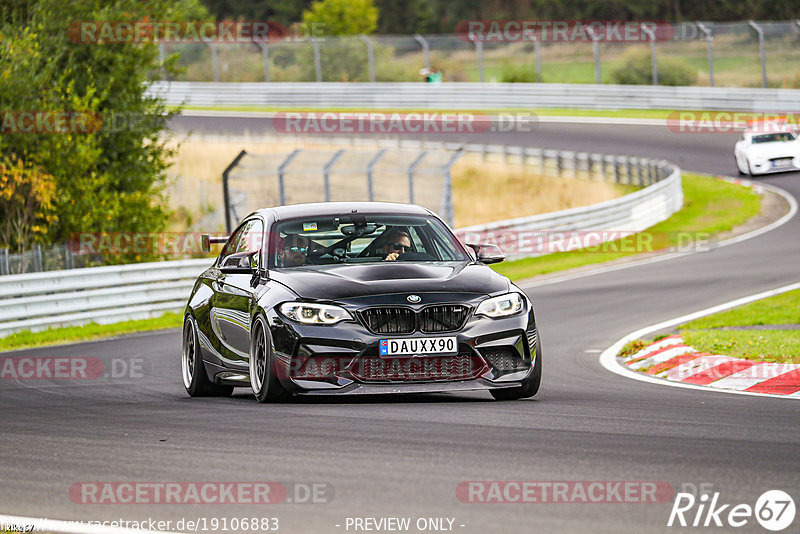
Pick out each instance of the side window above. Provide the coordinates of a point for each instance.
(246, 238)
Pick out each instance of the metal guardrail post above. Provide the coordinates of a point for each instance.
(37, 258)
(327, 173)
(317, 59)
(709, 51)
(646, 28)
(447, 192)
(478, 54)
(264, 46)
(214, 59)
(426, 51)
(760, 33)
(370, 168)
(370, 56)
(537, 54)
(226, 194)
(411, 169)
(4, 261)
(281, 173)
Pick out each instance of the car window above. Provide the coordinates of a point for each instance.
(363, 239)
(247, 238)
(773, 137)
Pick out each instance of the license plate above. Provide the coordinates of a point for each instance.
(418, 346)
(782, 162)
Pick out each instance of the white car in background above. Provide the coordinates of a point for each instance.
(762, 152)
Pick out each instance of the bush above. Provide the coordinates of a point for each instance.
(520, 74)
(636, 69)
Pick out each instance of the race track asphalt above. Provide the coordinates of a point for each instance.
(405, 456)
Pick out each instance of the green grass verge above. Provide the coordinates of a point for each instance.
(778, 346)
(88, 332)
(710, 206)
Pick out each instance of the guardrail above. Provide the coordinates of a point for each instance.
(37, 301)
(474, 96)
(107, 294)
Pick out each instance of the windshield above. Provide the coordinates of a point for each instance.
(773, 137)
(362, 239)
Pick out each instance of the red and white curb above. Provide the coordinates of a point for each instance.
(670, 362)
(671, 359)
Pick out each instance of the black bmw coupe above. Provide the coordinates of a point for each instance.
(350, 298)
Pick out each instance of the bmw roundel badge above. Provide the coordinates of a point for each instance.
(413, 298)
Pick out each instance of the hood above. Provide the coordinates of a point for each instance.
(785, 149)
(332, 282)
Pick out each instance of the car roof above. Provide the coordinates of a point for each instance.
(337, 208)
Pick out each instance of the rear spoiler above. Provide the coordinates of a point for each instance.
(206, 241)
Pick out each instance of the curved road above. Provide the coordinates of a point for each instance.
(405, 456)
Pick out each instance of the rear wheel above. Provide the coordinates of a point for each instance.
(263, 378)
(530, 386)
(195, 379)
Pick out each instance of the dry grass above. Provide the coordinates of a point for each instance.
(483, 191)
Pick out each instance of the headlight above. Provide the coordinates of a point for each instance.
(307, 313)
(501, 306)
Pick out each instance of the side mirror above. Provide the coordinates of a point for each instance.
(487, 253)
(241, 263)
(206, 241)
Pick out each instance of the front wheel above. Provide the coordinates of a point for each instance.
(195, 379)
(530, 386)
(263, 378)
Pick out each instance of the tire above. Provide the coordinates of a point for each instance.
(738, 168)
(530, 386)
(263, 378)
(193, 372)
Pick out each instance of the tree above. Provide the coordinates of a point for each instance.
(26, 203)
(107, 179)
(341, 17)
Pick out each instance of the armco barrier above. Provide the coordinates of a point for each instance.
(475, 96)
(108, 294)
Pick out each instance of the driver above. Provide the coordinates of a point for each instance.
(293, 250)
(395, 242)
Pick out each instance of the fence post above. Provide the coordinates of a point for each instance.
(646, 28)
(411, 169)
(760, 33)
(281, 172)
(327, 173)
(317, 59)
(709, 51)
(37, 258)
(596, 53)
(370, 167)
(4, 261)
(478, 54)
(370, 57)
(264, 46)
(447, 193)
(68, 262)
(226, 195)
(426, 51)
(161, 59)
(214, 59)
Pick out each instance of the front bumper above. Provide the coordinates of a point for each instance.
(344, 359)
